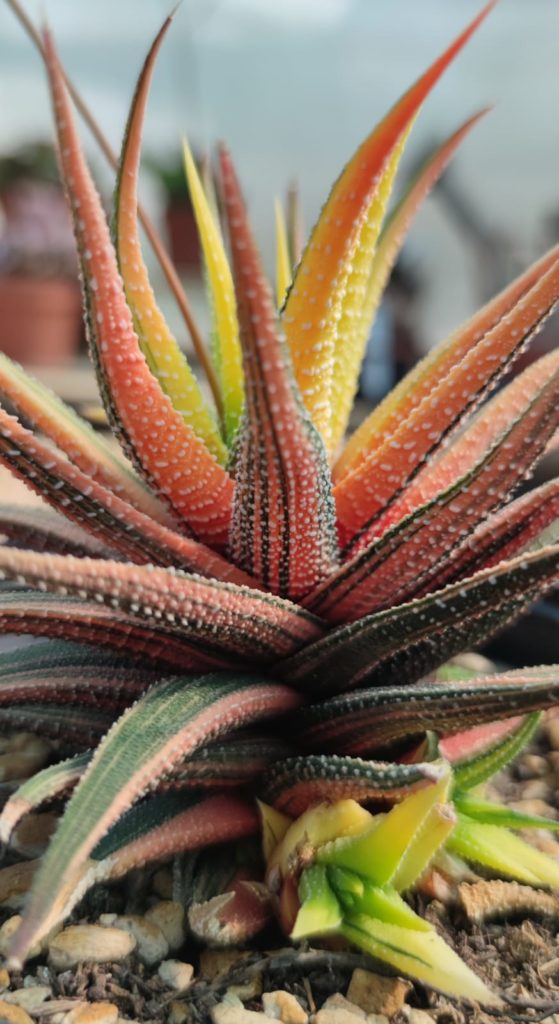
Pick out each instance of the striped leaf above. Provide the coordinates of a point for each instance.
(232, 620)
(365, 494)
(170, 455)
(158, 829)
(163, 355)
(76, 438)
(422, 955)
(49, 784)
(282, 528)
(294, 785)
(42, 529)
(100, 512)
(75, 727)
(404, 643)
(72, 618)
(172, 719)
(348, 361)
(515, 528)
(421, 381)
(493, 847)
(65, 673)
(313, 306)
(477, 755)
(449, 499)
(227, 348)
(370, 720)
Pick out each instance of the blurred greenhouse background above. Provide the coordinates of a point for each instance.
(293, 86)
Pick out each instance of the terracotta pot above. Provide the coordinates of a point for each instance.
(40, 319)
(183, 236)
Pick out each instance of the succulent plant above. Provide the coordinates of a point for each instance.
(243, 606)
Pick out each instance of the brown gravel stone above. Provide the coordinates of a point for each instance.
(13, 1014)
(285, 1007)
(376, 994)
(168, 915)
(30, 999)
(92, 1013)
(91, 942)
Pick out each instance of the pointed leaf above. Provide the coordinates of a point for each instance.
(364, 722)
(450, 498)
(394, 231)
(380, 853)
(471, 765)
(77, 439)
(48, 784)
(283, 263)
(99, 511)
(298, 783)
(321, 278)
(495, 848)
(72, 618)
(228, 350)
(163, 355)
(404, 643)
(365, 494)
(171, 720)
(428, 373)
(166, 452)
(41, 529)
(283, 529)
(320, 911)
(489, 813)
(232, 619)
(422, 955)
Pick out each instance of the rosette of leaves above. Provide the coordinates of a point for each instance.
(242, 605)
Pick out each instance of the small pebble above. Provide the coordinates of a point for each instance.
(551, 729)
(4, 979)
(228, 1013)
(376, 994)
(537, 789)
(152, 946)
(29, 999)
(89, 942)
(532, 766)
(92, 1013)
(535, 806)
(419, 1017)
(285, 1007)
(168, 915)
(12, 1014)
(15, 882)
(176, 974)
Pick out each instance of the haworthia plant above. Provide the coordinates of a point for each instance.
(248, 562)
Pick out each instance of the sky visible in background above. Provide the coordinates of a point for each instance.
(294, 85)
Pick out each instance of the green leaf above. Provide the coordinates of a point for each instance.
(489, 813)
(507, 854)
(422, 955)
(480, 766)
(359, 895)
(381, 853)
(320, 911)
(163, 727)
